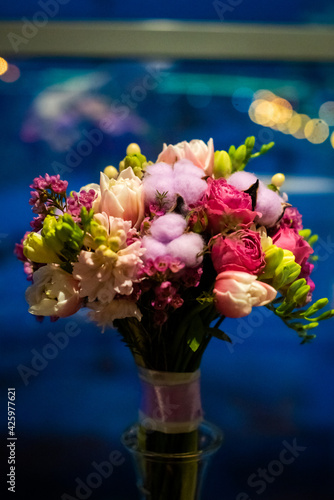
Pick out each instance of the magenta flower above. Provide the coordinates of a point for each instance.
(226, 207)
(76, 201)
(239, 251)
(287, 238)
(292, 218)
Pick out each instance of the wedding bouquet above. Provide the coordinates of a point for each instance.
(165, 251)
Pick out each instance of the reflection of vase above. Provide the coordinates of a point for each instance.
(171, 445)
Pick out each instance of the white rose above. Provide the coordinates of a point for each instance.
(54, 292)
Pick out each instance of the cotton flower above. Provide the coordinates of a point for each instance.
(187, 248)
(183, 179)
(268, 202)
(53, 293)
(168, 227)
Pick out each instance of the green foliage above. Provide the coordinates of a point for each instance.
(63, 235)
(281, 268)
(240, 156)
(311, 240)
(136, 161)
(300, 320)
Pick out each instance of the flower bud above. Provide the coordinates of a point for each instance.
(111, 172)
(222, 164)
(36, 249)
(133, 149)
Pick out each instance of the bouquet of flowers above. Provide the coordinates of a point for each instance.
(164, 252)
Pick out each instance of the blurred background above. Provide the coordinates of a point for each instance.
(264, 69)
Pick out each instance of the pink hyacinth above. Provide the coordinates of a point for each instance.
(78, 200)
(52, 182)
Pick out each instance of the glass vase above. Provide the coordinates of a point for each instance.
(171, 445)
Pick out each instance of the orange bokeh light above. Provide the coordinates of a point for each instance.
(3, 66)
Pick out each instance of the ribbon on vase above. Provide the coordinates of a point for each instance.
(171, 402)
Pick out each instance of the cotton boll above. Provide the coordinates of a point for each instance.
(154, 184)
(159, 169)
(168, 227)
(269, 204)
(186, 167)
(153, 248)
(190, 188)
(242, 180)
(186, 248)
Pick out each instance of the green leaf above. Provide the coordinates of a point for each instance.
(219, 334)
(196, 333)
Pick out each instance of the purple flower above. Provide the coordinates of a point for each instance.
(52, 182)
(292, 218)
(76, 201)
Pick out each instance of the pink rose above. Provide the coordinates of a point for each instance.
(239, 251)
(199, 153)
(236, 293)
(288, 239)
(226, 206)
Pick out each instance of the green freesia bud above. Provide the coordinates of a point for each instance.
(301, 294)
(293, 289)
(287, 271)
(49, 233)
(273, 257)
(240, 154)
(222, 164)
(62, 234)
(250, 143)
(37, 250)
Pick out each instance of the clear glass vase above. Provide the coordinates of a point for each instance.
(171, 445)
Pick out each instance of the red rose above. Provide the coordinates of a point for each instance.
(226, 206)
(239, 251)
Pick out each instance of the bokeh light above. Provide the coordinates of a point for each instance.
(3, 65)
(316, 131)
(11, 75)
(303, 120)
(326, 112)
(332, 139)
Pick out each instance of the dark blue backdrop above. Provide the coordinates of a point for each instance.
(276, 11)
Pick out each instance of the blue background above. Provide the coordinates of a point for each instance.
(276, 11)
(266, 389)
